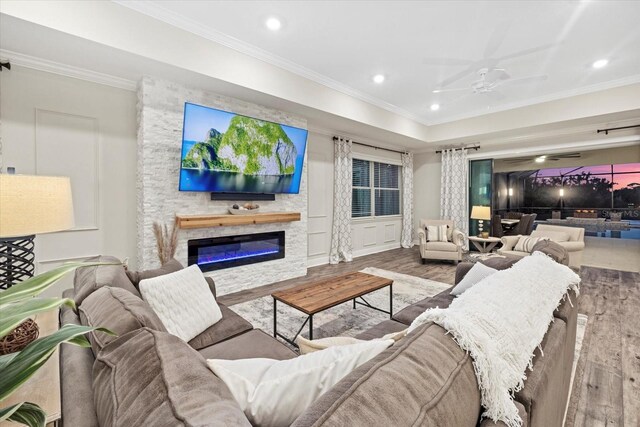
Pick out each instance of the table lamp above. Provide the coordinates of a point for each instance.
(29, 205)
(481, 213)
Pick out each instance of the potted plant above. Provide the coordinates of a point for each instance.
(17, 304)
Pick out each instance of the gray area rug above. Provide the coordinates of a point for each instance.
(342, 320)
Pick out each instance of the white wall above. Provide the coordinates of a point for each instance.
(368, 235)
(55, 125)
(426, 186)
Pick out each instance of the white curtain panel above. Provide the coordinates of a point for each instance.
(406, 238)
(341, 247)
(453, 189)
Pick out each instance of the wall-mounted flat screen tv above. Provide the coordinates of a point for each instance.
(223, 152)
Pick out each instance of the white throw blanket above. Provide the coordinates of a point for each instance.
(500, 321)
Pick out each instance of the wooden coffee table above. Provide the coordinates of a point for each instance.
(312, 298)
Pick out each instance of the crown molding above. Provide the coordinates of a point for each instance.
(160, 13)
(596, 144)
(46, 65)
(625, 81)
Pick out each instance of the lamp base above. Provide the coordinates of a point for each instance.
(16, 260)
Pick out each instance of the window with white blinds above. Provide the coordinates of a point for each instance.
(376, 189)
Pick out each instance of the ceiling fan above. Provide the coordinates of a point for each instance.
(544, 158)
(491, 76)
(491, 79)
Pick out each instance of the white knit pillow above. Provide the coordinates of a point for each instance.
(526, 243)
(437, 233)
(274, 393)
(183, 302)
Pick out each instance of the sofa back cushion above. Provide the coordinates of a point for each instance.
(424, 379)
(152, 378)
(576, 234)
(117, 310)
(89, 279)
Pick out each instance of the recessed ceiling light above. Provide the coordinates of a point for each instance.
(435, 107)
(540, 159)
(600, 63)
(437, 90)
(273, 24)
(378, 78)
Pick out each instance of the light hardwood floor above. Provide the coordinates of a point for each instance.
(606, 390)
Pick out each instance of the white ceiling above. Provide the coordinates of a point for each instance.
(343, 44)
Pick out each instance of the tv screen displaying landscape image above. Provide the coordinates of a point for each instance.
(227, 152)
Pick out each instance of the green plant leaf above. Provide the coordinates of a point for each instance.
(15, 314)
(24, 364)
(35, 285)
(26, 413)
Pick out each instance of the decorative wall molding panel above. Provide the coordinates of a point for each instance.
(69, 145)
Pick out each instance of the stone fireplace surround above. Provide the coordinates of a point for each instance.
(160, 115)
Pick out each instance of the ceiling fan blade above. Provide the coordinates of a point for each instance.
(523, 80)
(497, 37)
(464, 73)
(457, 89)
(527, 51)
(447, 61)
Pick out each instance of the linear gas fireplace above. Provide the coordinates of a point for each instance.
(232, 251)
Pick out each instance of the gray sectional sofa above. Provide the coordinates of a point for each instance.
(146, 376)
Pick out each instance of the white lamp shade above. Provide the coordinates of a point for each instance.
(481, 212)
(32, 204)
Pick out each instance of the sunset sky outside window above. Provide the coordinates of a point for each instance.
(623, 174)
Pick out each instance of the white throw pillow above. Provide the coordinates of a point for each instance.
(275, 392)
(309, 346)
(526, 243)
(478, 272)
(437, 233)
(556, 236)
(183, 302)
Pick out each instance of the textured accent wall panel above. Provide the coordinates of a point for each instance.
(160, 114)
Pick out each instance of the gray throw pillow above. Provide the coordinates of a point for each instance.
(117, 310)
(89, 279)
(556, 251)
(151, 378)
(137, 276)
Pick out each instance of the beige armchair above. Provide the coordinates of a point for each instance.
(451, 250)
(571, 238)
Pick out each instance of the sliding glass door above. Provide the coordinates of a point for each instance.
(480, 190)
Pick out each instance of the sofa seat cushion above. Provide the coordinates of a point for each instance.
(425, 379)
(89, 279)
(151, 378)
(137, 276)
(255, 343)
(117, 310)
(381, 329)
(408, 314)
(229, 326)
(544, 387)
(441, 246)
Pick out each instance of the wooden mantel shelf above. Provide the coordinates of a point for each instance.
(228, 220)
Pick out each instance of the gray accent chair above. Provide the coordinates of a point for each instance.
(451, 250)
